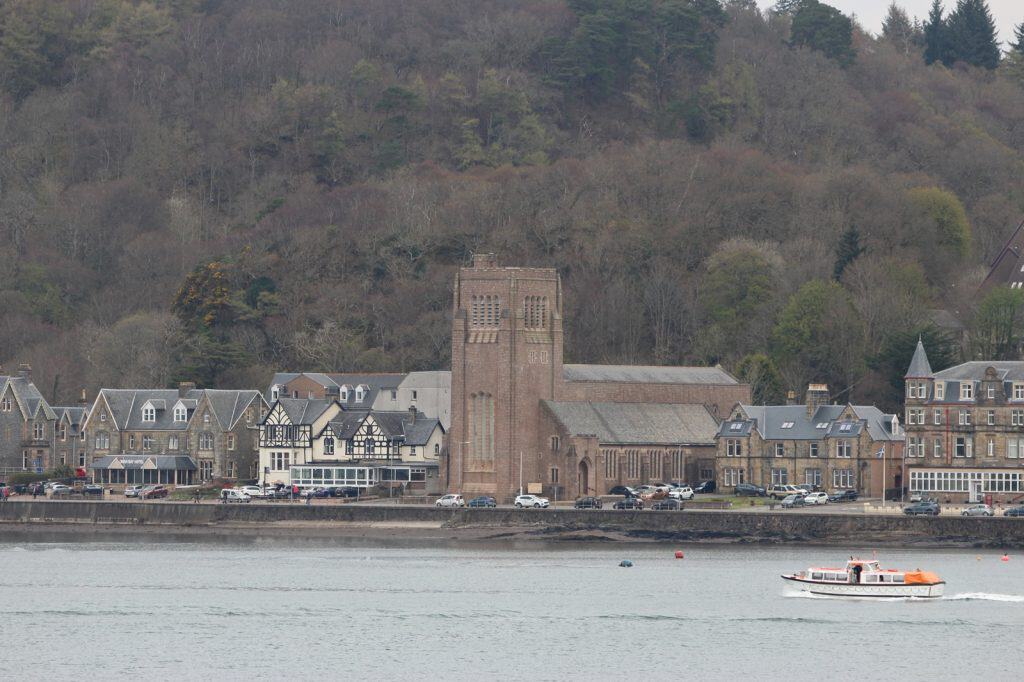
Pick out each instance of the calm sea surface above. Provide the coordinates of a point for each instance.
(264, 610)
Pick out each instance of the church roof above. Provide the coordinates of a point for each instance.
(636, 423)
(919, 368)
(648, 374)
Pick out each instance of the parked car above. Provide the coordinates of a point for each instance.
(234, 495)
(60, 490)
(154, 492)
(532, 501)
(978, 510)
(255, 491)
(92, 489)
(843, 496)
(750, 490)
(629, 503)
(705, 487)
(624, 490)
(916, 496)
(450, 500)
(815, 498)
(1014, 511)
(662, 487)
(133, 490)
(794, 500)
(646, 489)
(483, 501)
(684, 493)
(926, 508)
(36, 489)
(344, 491)
(587, 503)
(668, 504)
(281, 493)
(779, 492)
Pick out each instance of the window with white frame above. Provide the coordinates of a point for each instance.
(937, 417)
(991, 392)
(813, 450)
(206, 417)
(147, 443)
(780, 450)
(172, 442)
(842, 478)
(964, 418)
(102, 440)
(780, 476)
(1014, 448)
(966, 390)
(280, 461)
(131, 441)
(936, 448)
(5, 405)
(231, 441)
(1018, 391)
(180, 414)
(843, 449)
(275, 392)
(206, 441)
(360, 394)
(38, 431)
(1017, 417)
(940, 390)
(991, 418)
(148, 413)
(344, 393)
(963, 447)
(63, 431)
(990, 448)
(787, 425)
(733, 448)
(736, 426)
(732, 477)
(329, 446)
(812, 477)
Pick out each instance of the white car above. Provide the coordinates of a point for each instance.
(234, 495)
(816, 498)
(254, 491)
(532, 501)
(684, 493)
(133, 490)
(450, 500)
(59, 489)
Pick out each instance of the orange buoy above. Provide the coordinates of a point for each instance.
(1006, 557)
(679, 554)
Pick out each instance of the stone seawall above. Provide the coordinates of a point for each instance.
(711, 526)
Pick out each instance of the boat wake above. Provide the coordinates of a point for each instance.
(985, 596)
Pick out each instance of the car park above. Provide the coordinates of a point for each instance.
(978, 510)
(916, 496)
(344, 491)
(133, 490)
(1014, 511)
(61, 490)
(750, 490)
(588, 503)
(923, 508)
(646, 489)
(668, 504)
(624, 490)
(281, 494)
(450, 500)
(629, 503)
(794, 500)
(816, 498)
(154, 492)
(843, 496)
(532, 501)
(93, 489)
(684, 493)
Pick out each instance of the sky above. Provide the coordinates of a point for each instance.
(1007, 13)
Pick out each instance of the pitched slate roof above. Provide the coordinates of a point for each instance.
(74, 415)
(648, 374)
(919, 368)
(1006, 370)
(30, 400)
(229, 406)
(636, 423)
(374, 383)
(393, 424)
(304, 410)
(126, 406)
(790, 422)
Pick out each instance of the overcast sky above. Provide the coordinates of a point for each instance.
(870, 13)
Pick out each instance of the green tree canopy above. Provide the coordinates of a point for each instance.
(824, 28)
(944, 216)
(766, 386)
(997, 330)
(972, 34)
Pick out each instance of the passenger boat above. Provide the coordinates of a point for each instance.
(866, 579)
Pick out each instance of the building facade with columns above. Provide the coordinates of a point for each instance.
(511, 390)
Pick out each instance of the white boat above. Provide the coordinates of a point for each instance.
(866, 579)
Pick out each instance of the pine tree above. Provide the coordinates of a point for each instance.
(823, 28)
(847, 250)
(972, 34)
(1018, 45)
(898, 29)
(936, 37)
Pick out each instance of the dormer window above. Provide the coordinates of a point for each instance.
(148, 413)
(344, 393)
(360, 394)
(966, 391)
(845, 427)
(275, 392)
(940, 390)
(180, 414)
(735, 426)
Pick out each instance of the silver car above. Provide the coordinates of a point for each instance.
(133, 490)
(978, 510)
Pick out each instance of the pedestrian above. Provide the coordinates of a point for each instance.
(35, 491)
(195, 496)
(309, 497)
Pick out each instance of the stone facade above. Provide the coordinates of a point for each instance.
(27, 425)
(815, 444)
(507, 357)
(965, 429)
(217, 428)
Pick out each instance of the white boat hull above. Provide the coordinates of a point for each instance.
(861, 590)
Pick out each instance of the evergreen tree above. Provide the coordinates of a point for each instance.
(823, 28)
(936, 37)
(897, 28)
(1017, 46)
(847, 250)
(972, 34)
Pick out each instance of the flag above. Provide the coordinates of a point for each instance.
(881, 452)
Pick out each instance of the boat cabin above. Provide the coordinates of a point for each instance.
(857, 572)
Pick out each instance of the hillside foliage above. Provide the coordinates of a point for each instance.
(217, 189)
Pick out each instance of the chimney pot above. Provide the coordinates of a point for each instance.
(82, 400)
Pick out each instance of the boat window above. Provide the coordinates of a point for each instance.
(897, 578)
(872, 578)
(816, 576)
(886, 578)
(830, 576)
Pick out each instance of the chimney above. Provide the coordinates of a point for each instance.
(485, 260)
(412, 414)
(184, 387)
(817, 395)
(25, 370)
(82, 400)
(791, 397)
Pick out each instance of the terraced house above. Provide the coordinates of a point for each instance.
(965, 429)
(319, 442)
(819, 444)
(210, 433)
(26, 424)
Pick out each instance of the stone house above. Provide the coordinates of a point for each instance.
(313, 442)
(626, 444)
(26, 425)
(216, 428)
(816, 444)
(69, 438)
(965, 429)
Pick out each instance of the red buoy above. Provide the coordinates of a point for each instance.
(1006, 557)
(679, 554)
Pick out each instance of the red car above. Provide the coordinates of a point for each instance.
(153, 492)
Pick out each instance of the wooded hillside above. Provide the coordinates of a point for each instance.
(216, 189)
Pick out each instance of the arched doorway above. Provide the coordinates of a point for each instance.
(583, 478)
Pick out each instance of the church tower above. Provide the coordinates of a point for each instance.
(506, 358)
